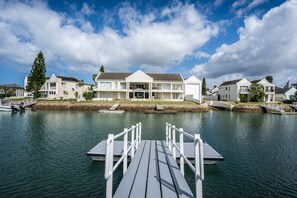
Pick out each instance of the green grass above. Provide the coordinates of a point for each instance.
(248, 103)
(148, 102)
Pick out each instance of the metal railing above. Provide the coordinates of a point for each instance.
(198, 169)
(135, 130)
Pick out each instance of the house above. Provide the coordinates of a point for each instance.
(234, 90)
(213, 92)
(289, 85)
(269, 89)
(282, 94)
(62, 87)
(140, 85)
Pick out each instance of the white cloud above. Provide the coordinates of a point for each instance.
(242, 7)
(147, 39)
(267, 46)
(87, 10)
(201, 55)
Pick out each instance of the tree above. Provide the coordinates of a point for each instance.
(36, 77)
(296, 93)
(89, 95)
(102, 68)
(257, 92)
(269, 79)
(203, 87)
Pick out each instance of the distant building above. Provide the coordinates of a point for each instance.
(62, 87)
(234, 90)
(269, 89)
(213, 92)
(140, 85)
(282, 94)
(289, 85)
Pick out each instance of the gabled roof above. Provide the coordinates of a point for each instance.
(255, 81)
(122, 76)
(279, 90)
(231, 82)
(65, 78)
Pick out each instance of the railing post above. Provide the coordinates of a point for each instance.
(166, 133)
(109, 165)
(198, 167)
(181, 148)
(132, 141)
(125, 161)
(169, 136)
(136, 138)
(174, 142)
(140, 131)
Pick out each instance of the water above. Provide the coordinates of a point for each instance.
(43, 153)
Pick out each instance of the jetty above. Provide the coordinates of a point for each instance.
(112, 109)
(153, 170)
(271, 108)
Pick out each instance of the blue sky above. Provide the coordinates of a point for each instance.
(219, 40)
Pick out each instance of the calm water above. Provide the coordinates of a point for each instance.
(43, 154)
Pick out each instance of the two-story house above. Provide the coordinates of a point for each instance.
(62, 87)
(140, 85)
(269, 89)
(234, 90)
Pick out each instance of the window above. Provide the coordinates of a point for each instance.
(105, 85)
(226, 88)
(166, 86)
(116, 85)
(52, 85)
(176, 87)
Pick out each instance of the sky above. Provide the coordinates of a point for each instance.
(217, 40)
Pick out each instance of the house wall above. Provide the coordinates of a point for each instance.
(228, 92)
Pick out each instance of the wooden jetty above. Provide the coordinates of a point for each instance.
(112, 109)
(153, 171)
(210, 155)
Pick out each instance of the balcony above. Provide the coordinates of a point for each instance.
(244, 91)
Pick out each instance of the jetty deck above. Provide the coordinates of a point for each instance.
(153, 171)
(210, 155)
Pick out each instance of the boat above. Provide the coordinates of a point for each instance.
(4, 106)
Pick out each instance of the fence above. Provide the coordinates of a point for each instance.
(109, 167)
(198, 146)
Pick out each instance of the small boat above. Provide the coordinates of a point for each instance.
(4, 106)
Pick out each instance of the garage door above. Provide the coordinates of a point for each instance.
(193, 89)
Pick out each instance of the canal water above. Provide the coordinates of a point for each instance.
(43, 153)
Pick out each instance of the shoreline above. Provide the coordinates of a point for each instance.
(137, 107)
(92, 106)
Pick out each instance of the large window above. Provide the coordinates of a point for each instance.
(53, 85)
(166, 86)
(105, 85)
(177, 87)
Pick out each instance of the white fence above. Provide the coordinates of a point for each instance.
(198, 146)
(109, 167)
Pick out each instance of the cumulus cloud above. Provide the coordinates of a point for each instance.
(159, 39)
(267, 46)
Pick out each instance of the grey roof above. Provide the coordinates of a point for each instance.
(231, 82)
(255, 81)
(279, 90)
(65, 78)
(122, 76)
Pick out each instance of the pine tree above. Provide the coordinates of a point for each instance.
(269, 79)
(102, 68)
(203, 87)
(36, 77)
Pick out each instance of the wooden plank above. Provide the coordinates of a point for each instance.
(167, 185)
(153, 180)
(124, 187)
(140, 182)
(181, 185)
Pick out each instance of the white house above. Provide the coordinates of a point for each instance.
(269, 89)
(234, 90)
(284, 94)
(140, 85)
(61, 87)
(193, 89)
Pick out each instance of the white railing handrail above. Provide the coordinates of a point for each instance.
(109, 167)
(198, 169)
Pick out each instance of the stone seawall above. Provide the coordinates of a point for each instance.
(127, 107)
